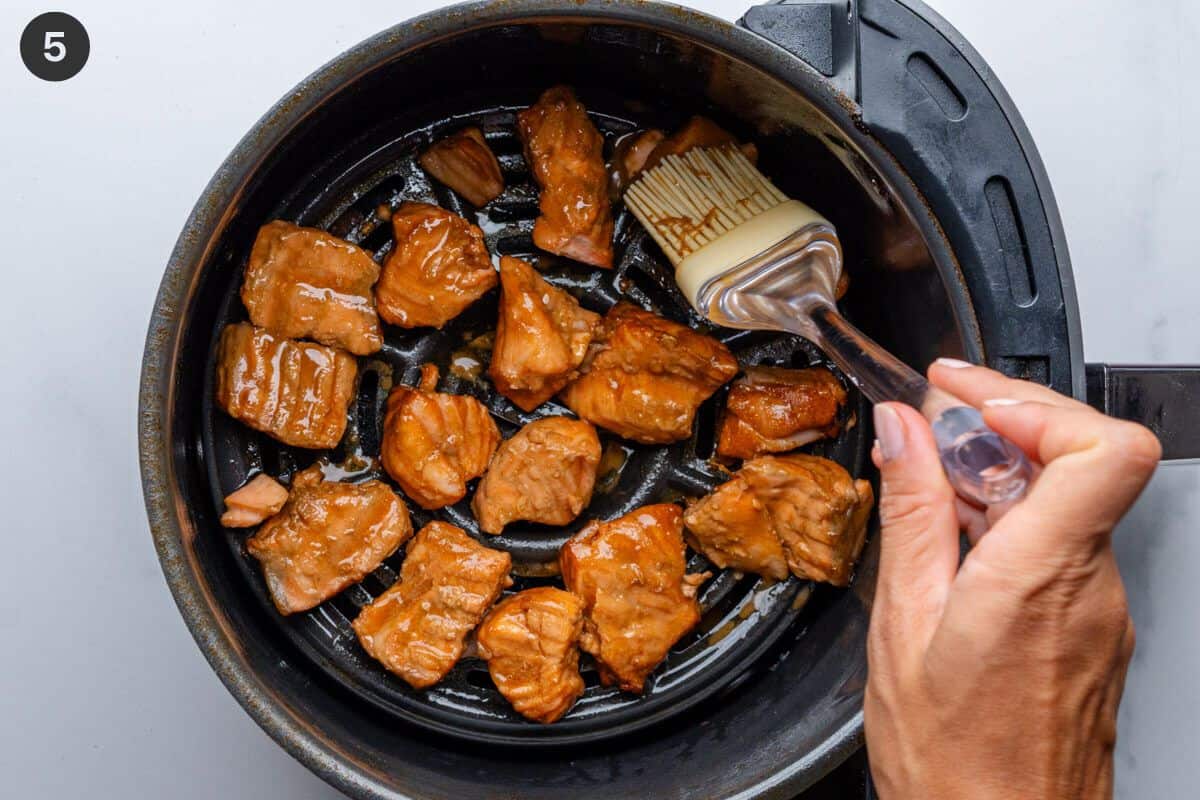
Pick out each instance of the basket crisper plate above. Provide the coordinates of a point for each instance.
(743, 615)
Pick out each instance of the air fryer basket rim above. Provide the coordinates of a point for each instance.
(1066, 275)
(218, 203)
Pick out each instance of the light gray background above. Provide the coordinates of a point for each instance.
(102, 691)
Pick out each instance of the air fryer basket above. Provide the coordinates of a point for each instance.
(766, 697)
(352, 196)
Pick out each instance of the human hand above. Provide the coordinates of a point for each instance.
(1000, 678)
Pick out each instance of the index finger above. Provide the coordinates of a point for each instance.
(1095, 467)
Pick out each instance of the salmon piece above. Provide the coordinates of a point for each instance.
(303, 283)
(638, 598)
(798, 508)
(629, 158)
(328, 536)
(817, 510)
(296, 392)
(564, 152)
(261, 497)
(418, 628)
(646, 376)
(733, 530)
(542, 336)
(697, 132)
(531, 644)
(773, 410)
(439, 267)
(545, 473)
(464, 162)
(433, 443)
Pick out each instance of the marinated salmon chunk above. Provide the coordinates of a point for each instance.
(303, 283)
(638, 598)
(545, 473)
(417, 628)
(261, 497)
(698, 132)
(328, 536)
(773, 410)
(465, 163)
(803, 509)
(439, 267)
(818, 511)
(433, 443)
(297, 392)
(541, 337)
(531, 644)
(629, 158)
(646, 376)
(564, 152)
(733, 530)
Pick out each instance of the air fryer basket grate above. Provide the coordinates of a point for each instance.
(743, 615)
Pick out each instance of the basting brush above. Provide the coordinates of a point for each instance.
(747, 256)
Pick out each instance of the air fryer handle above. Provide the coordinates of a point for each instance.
(1164, 399)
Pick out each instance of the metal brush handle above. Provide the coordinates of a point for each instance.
(984, 467)
(790, 286)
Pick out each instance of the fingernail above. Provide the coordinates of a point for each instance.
(953, 363)
(890, 430)
(1002, 401)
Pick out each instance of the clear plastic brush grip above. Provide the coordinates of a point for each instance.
(984, 467)
(790, 287)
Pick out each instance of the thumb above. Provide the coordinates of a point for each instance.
(919, 541)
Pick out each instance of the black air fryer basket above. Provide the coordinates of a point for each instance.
(877, 113)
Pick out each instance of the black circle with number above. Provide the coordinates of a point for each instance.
(55, 46)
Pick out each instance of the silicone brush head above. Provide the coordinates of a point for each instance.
(690, 200)
(745, 255)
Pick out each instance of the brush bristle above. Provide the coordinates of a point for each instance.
(689, 200)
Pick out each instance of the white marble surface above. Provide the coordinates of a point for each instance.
(102, 690)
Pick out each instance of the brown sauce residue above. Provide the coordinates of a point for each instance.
(465, 366)
(612, 462)
(683, 228)
(548, 569)
(356, 465)
(720, 633)
(469, 361)
(802, 598)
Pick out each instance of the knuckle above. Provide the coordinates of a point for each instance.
(1118, 613)
(1139, 444)
(1129, 642)
(1130, 445)
(1110, 621)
